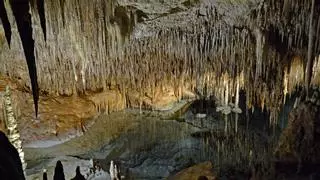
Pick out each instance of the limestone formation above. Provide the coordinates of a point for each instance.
(58, 171)
(11, 125)
(44, 176)
(144, 45)
(78, 176)
(114, 171)
(10, 164)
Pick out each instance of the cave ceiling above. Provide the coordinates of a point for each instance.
(82, 45)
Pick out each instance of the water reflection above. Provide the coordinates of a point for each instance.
(147, 147)
(156, 148)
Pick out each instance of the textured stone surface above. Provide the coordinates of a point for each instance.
(299, 142)
(143, 45)
(63, 116)
(203, 169)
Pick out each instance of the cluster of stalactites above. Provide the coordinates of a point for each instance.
(86, 50)
(203, 58)
(81, 35)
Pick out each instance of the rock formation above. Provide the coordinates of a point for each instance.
(200, 171)
(44, 176)
(58, 171)
(139, 45)
(78, 176)
(10, 164)
(12, 126)
(114, 173)
(299, 142)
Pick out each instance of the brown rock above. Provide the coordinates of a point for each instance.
(300, 140)
(108, 101)
(60, 115)
(200, 171)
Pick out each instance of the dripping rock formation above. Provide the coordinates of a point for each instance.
(136, 50)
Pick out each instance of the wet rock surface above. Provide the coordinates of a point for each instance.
(299, 143)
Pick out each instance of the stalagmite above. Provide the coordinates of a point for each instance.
(12, 126)
(114, 171)
(44, 175)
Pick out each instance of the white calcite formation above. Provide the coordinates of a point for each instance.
(114, 171)
(12, 126)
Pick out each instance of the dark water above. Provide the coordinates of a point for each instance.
(156, 148)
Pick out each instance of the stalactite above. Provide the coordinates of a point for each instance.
(317, 43)
(91, 53)
(316, 72)
(12, 126)
(285, 85)
(39, 6)
(260, 42)
(226, 94)
(310, 56)
(23, 19)
(5, 22)
(236, 108)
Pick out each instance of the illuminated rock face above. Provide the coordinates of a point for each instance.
(145, 45)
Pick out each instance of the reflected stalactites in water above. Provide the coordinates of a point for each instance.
(240, 151)
(236, 123)
(225, 117)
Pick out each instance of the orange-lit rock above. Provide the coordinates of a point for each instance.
(62, 115)
(193, 173)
